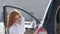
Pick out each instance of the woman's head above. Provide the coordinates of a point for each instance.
(14, 17)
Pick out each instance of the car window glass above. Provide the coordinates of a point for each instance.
(30, 22)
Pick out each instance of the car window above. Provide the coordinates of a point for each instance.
(30, 22)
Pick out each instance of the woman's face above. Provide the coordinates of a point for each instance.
(18, 19)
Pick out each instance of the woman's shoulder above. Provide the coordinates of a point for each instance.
(12, 28)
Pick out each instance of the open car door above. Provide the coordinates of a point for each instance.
(6, 10)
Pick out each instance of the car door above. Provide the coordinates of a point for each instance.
(27, 15)
(7, 8)
(51, 22)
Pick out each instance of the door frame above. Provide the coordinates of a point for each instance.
(49, 22)
(4, 14)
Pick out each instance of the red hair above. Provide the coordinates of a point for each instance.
(11, 18)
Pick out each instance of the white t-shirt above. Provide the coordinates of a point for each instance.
(17, 29)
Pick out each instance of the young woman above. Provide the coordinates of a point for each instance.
(15, 22)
